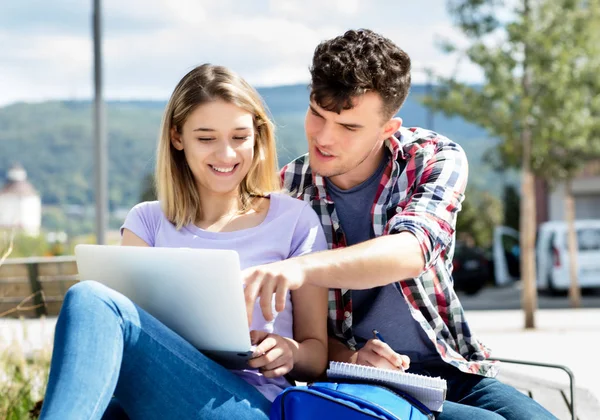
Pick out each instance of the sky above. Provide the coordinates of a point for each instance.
(46, 49)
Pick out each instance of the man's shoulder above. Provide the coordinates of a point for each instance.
(413, 139)
(296, 176)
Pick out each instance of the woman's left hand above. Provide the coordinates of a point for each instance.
(274, 355)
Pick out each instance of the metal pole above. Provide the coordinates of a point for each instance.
(561, 367)
(100, 142)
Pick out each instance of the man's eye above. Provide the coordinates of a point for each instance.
(350, 128)
(315, 113)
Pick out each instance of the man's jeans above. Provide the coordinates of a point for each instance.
(104, 345)
(473, 397)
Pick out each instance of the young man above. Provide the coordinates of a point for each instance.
(388, 198)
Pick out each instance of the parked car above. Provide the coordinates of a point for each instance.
(553, 255)
(471, 269)
(505, 264)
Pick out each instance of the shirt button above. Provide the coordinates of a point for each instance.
(346, 314)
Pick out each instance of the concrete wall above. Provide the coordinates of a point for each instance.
(587, 199)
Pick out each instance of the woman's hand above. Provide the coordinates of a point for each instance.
(379, 354)
(274, 355)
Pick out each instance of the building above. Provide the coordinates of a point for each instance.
(20, 203)
(586, 191)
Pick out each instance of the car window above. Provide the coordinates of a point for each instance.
(510, 244)
(551, 243)
(588, 239)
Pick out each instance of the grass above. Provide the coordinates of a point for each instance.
(22, 383)
(22, 376)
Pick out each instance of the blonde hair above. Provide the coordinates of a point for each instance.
(175, 185)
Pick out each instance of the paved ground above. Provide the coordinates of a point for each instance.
(509, 297)
(562, 336)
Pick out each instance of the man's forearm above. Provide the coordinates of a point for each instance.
(377, 262)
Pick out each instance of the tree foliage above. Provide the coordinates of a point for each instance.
(480, 212)
(541, 98)
(563, 57)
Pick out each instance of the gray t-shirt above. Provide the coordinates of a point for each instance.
(380, 308)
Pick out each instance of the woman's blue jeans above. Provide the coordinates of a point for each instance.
(105, 345)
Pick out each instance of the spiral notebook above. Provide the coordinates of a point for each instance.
(428, 390)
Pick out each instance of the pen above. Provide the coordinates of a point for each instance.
(378, 336)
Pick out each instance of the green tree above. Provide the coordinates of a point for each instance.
(148, 188)
(480, 212)
(540, 96)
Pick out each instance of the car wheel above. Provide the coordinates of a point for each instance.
(472, 290)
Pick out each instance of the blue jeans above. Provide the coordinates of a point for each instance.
(473, 397)
(105, 345)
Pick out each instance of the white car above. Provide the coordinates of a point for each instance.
(553, 255)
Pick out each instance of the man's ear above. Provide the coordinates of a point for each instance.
(391, 127)
(176, 138)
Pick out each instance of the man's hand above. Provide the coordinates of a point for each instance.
(265, 280)
(274, 355)
(379, 354)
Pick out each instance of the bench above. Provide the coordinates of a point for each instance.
(35, 285)
(556, 398)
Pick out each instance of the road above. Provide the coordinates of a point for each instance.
(509, 297)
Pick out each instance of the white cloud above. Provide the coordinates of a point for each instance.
(314, 10)
(421, 42)
(149, 44)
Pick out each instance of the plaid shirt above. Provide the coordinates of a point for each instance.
(421, 192)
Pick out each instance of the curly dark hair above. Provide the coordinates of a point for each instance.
(357, 62)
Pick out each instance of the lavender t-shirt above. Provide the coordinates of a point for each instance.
(291, 228)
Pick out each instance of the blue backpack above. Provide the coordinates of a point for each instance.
(348, 401)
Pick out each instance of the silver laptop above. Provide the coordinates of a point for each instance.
(198, 293)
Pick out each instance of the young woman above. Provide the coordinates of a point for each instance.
(216, 169)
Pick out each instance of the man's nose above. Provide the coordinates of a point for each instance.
(325, 136)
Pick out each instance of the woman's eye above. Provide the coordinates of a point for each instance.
(206, 138)
(241, 138)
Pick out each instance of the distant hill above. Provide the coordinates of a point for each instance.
(53, 141)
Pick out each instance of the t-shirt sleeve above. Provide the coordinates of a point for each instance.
(142, 220)
(308, 235)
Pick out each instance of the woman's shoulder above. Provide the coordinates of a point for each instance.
(307, 233)
(147, 210)
(293, 209)
(150, 212)
(144, 220)
(151, 206)
(286, 203)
